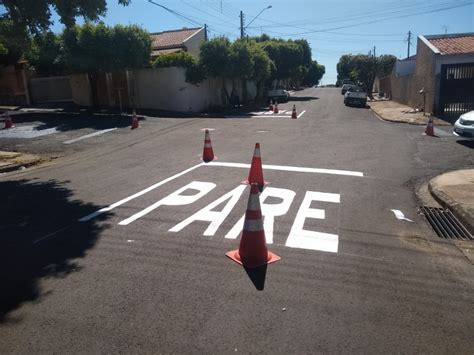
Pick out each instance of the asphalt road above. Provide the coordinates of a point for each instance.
(114, 284)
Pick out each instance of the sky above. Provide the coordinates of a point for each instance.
(332, 27)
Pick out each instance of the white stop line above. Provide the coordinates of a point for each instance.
(299, 237)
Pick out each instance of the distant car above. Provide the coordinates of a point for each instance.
(464, 126)
(355, 95)
(345, 87)
(279, 94)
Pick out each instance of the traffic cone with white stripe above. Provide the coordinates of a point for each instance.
(253, 250)
(293, 114)
(207, 153)
(8, 121)
(270, 107)
(256, 170)
(429, 131)
(275, 107)
(135, 123)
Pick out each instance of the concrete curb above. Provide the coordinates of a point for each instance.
(447, 202)
(17, 165)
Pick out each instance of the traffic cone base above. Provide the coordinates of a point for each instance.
(234, 255)
(253, 250)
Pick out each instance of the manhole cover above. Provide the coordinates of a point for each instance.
(445, 224)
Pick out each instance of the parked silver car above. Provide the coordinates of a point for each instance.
(464, 126)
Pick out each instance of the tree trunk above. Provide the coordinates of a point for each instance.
(93, 85)
(225, 93)
(244, 91)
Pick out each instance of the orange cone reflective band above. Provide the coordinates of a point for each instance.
(275, 107)
(135, 123)
(429, 131)
(253, 250)
(293, 114)
(8, 121)
(270, 107)
(256, 171)
(207, 153)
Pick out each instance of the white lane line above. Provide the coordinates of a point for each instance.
(90, 135)
(301, 114)
(290, 168)
(138, 194)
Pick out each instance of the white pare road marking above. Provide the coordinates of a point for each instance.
(138, 194)
(98, 133)
(269, 211)
(305, 239)
(399, 214)
(207, 214)
(175, 199)
(289, 168)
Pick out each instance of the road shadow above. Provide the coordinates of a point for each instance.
(466, 142)
(303, 98)
(257, 276)
(40, 237)
(67, 121)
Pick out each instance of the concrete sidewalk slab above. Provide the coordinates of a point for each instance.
(395, 112)
(455, 190)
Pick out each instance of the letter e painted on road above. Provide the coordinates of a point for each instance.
(305, 239)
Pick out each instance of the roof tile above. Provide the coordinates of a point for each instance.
(454, 45)
(171, 39)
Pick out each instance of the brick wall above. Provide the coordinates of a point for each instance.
(406, 89)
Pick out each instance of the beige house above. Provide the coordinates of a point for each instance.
(440, 78)
(186, 39)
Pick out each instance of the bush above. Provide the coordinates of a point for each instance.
(176, 59)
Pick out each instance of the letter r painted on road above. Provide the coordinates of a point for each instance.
(305, 239)
(269, 211)
(175, 199)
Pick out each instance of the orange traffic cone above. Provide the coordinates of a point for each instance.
(429, 131)
(256, 171)
(8, 121)
(270, 107)
(253, 250)
(135, 123)
(207, 153)
(275, 107)
(293, 114)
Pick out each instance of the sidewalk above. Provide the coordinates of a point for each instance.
(395, 112)
(10, 161)
(455, 190)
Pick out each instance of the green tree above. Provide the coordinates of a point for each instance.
(314, 75)
(194, 72)
(35, 15)
(13, 41)
(345, 68)
(45, 54)
(215, 59)
(286, 56)
(93, 49)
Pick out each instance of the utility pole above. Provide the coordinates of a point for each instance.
(205, 32)
(374, 52)
(409, 43)
(241, 24)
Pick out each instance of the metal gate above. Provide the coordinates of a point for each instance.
(456, 94)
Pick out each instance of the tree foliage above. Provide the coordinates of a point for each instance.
(45, 54)
(13, 41)
(35, 15)
(364, 68)
(314, 74)
(93, 48)
(194, 72)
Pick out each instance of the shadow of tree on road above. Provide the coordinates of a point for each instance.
(39, 237)
(303, 98)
